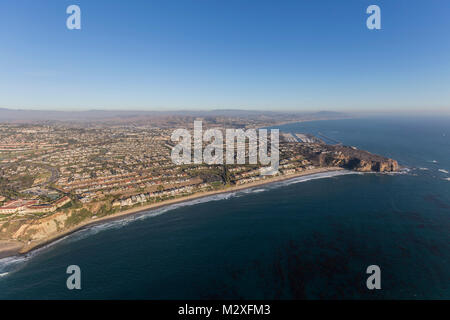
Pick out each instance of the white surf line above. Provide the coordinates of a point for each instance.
(7, 264)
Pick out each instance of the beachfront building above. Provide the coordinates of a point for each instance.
(18, 205)
(32, 206)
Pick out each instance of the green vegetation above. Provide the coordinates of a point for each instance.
(77, 216)
(105, 210)
(227, 176)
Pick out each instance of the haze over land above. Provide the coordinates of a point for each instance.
(23, 115)
(62, 170)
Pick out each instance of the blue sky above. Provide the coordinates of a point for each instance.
(205, 54)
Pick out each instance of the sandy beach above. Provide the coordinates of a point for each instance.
(11, 248)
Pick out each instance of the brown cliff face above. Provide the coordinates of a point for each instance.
(358, 160)
(387, 165)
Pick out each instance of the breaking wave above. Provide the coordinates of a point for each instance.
(9, 264)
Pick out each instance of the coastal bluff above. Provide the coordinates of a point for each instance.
(355, 159)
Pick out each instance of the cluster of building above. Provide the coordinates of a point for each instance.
(32, 206)
(96, 162)
(171, 192)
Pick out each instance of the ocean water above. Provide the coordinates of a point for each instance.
(307, 238)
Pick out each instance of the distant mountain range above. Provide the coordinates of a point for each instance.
(19, 115)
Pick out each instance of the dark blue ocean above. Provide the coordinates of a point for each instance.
(308, 238)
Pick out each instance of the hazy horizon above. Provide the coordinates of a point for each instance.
(224, 109)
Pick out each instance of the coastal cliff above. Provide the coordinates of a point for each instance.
(298, 159)
(21, 236)
(354, 159)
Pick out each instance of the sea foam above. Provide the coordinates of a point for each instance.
(10, 264)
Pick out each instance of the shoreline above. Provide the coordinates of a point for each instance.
(16, 248)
